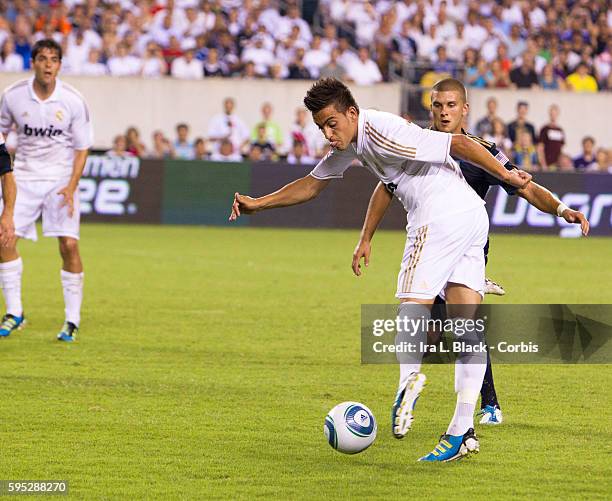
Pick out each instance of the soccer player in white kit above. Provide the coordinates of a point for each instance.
(448, 228)
(54, 134)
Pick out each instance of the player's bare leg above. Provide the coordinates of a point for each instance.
(460, 440)
(72, 285)
(412, 381)
(11, 269)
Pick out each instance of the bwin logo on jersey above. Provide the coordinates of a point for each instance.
(42, 132)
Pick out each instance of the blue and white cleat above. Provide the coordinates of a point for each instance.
(490, 415)
(11, 323)
(407, 396)
(452, 447)
(68, 332)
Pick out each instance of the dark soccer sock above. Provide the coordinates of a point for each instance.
(487, 392)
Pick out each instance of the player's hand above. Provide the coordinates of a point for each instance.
(7, 229)
(577, 217)
(518, 178)
(363, 250)
(68, 194)
(243, 204)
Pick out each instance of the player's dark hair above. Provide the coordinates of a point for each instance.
(46, 43)
(451, 85)
(328, 91)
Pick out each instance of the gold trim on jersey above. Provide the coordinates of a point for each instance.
(480, 140)
(414, 258)
(388, 144)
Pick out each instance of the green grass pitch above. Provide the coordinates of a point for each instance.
(208, 359)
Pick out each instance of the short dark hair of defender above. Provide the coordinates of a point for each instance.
(47, 43)
(451, 85)
(328, 91)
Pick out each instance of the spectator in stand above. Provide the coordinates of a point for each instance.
(516, 44)
(499, 78)
(566, 164)
(297, 155)
(260, 56)
(297, 69)
(427, 44)
(550, 81)
(123, 64)
(602, 163)
(499, 136)
(316, 58)
(226, 153)
(524, 153)
(521, 123)
(485, 124)
(199, 149)
(442, 64)
(504, 60)
(186, 67)
(93, 67)
(11, 61)
(480, 76)
(262, 141)
(133, 143)
(333, 69)
(303, 127)
(161, 146)
(212, 66)
(364, 71)
(228, 125)
(474, 33)
(552, 139)
(274, 131)
(457, 45)
(524, 76)
(255, 154)
(183, 148)
(581, 80)
(587, 157)
(118, 150)
(153, 64)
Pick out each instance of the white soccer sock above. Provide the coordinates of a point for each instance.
(10, 281)
(469, 373)
(72, 283)
(411, 362)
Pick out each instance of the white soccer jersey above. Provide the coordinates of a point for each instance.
(415, 163)
(48, 131)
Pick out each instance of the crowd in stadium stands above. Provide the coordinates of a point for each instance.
(550, 44)
(228, 139)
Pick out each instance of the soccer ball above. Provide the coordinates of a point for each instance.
(350, 427)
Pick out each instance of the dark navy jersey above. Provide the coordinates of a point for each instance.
(479, 179)
(5, 160)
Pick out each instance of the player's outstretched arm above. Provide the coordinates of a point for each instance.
(379, 203)
(544, 200)
(297, 192)
(9, 195)
(467, 149)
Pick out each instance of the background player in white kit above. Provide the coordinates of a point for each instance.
(447, 221)
(54, 135)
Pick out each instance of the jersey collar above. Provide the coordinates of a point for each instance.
(360, 130)
(55, 96)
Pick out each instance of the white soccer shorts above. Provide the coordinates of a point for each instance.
(444, 251)
(40, 197)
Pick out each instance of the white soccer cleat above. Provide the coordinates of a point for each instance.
(493, 288)
(407, 395)
(491, 415)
